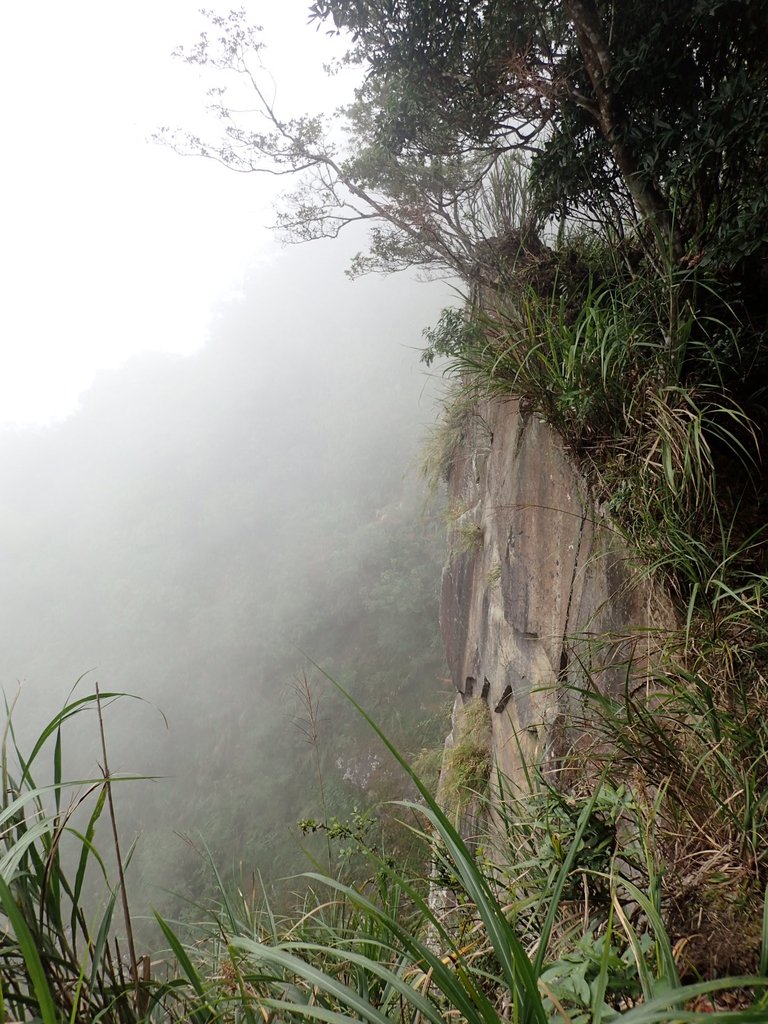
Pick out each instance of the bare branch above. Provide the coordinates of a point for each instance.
(423, 200)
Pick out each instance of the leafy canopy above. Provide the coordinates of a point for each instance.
(476, 121)
(656, 110)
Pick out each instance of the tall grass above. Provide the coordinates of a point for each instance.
(607, 369)
(423, 968)
(379, 952)
(700, 741)
(59, 957)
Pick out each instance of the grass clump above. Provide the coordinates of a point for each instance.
(428, 765)
(56, 957)
(701, 742)
(459, 430)
(634, 378)
(493, 577)
(465, 533)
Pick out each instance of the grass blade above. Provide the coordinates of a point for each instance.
(31, 957)
(516, 967)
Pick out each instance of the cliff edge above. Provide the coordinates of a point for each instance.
(540, 595)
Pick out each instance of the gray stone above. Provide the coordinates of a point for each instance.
(548, 600)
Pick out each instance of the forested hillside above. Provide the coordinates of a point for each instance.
(199, 530)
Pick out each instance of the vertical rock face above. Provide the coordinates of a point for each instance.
(539, 595)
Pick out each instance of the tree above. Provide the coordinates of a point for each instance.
(655, 110)
(429, 205)
(647, 120)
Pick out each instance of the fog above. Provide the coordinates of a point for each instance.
(111, 244)
(202, 526)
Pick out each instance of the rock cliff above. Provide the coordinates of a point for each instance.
(540, 595)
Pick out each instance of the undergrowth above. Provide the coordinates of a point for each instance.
(565, 928)
(700, 744)
(639, 399)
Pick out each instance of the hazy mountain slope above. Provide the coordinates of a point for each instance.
(203, 522)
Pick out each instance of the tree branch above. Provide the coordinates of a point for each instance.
(595, 52)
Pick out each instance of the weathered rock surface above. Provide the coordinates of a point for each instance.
(540, 594)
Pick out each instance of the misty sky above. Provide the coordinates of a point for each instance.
(112, 245)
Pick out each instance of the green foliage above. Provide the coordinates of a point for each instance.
(400, 976)
(658, 107)
(363, 835)
(701, 741)
(442, 69)
(653, 138)
(697, 128)
(455, 333)
(605, 373)
(57, 955)
(591, 978)
(468, 760)
(378, 951)
(426, 207)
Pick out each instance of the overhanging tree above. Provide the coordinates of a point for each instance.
(657, 109)
(429, 205)
(647, 120)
